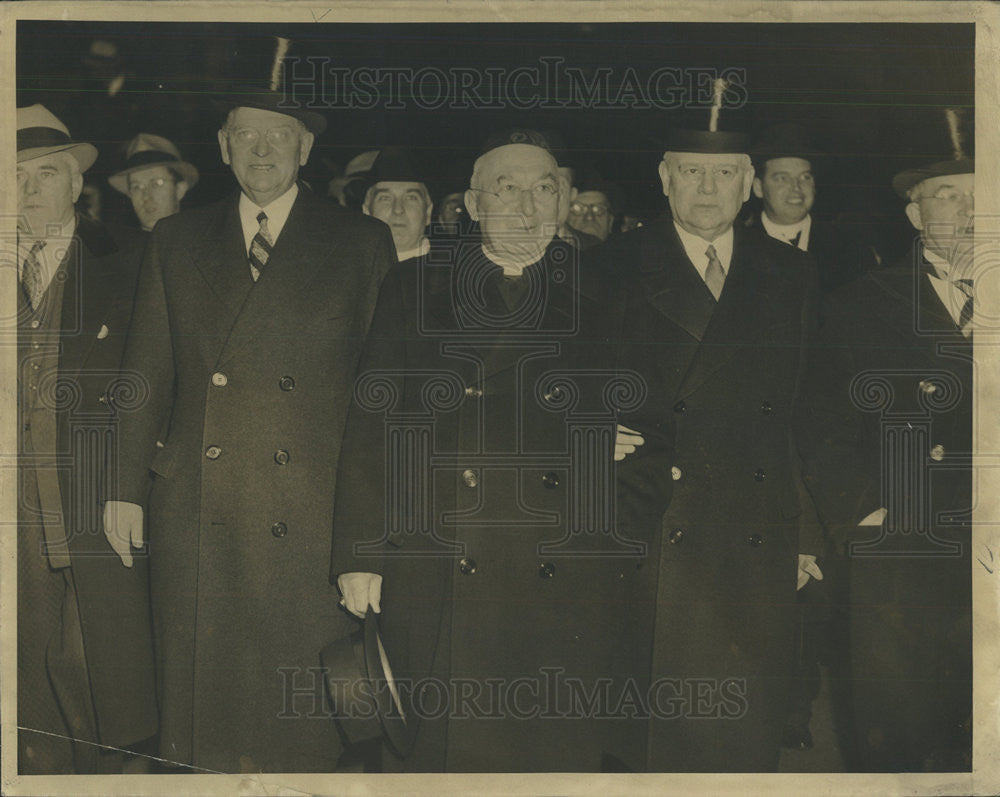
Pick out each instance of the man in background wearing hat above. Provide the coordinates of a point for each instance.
(487, 599)
(786, 163)
(592, 210)
(716, 319)
(398, 195)
(249, 317)
(85, 666)
(886, 435)
(155, 178)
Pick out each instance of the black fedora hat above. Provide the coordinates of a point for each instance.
(786, 140)
(362, 692)
(960, 161)
(396, 165)
(264, 92)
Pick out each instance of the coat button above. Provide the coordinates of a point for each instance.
(286, 383)
(473, 392)
(213, 452)
(103, 398)
(759, 475)
(675, 473)
(546, 570)
(553, 395)
(765, 407)
(937, 453)
(550, 480)
(281, 456)
(928, 386)
(675, 536)
(470, 478)
(279, 529)
(467, 567)
(34, 323)
(755, 540)
(680, 406)
(219, 379)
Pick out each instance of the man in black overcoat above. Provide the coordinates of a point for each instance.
(249, 319)
(85, 656)
(476, 491)
(716, 320)
(886, 435)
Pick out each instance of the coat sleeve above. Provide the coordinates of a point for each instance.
(361, 521)
(148, 378)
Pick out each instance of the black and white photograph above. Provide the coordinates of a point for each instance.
(500, 398)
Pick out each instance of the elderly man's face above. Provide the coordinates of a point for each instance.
(265, 150)
(47, 187)
(943, 209)
(591, 213)
(787, 189)
(405, 207)
(516, 200)
(155, 194)
(706, 191)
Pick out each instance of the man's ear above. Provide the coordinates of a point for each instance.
(748, 181)
(224, 146)
(664, 173)
(429, 215)
(305, 147)
(914, 215)
(77, 186)
(758, 188)
(181, 188)
(471, 206)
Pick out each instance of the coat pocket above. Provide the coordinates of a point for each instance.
(163, 461)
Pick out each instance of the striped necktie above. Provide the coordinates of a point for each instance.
(965, 286)
(31, 276)
(260, 247)
(715, 277)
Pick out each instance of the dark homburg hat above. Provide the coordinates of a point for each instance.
(40, 133)
(362, 691)
(267, 95)
(787, 140)
(397, 165)
(959, 163)
(711, 141)
(147, 150)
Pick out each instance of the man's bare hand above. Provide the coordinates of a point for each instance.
(360, 590)
(123, 528)
(626, 441)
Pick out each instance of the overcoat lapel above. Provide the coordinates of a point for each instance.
(88, 285)
(220, 255)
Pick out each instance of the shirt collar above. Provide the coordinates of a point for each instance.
(786, 232)
(277, 214)
(418, 251)
(941, 266)
(696, 247)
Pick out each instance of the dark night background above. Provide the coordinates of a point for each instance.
(871, 95)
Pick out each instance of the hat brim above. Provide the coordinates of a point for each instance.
(705, 142)
(358, 689)
(188, 173)
(906, 180)
(85, 154)
(315, 122)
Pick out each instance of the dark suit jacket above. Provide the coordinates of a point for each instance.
(476, 478)
(886, 422)
(101, 266)
(727, 506)
(253, 381)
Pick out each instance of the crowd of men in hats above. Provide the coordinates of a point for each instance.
(547, 497)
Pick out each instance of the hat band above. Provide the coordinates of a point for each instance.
(149, 156)
(32, 137)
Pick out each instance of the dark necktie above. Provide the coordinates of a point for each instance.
(965, 286)
(795, 241)
(31, 276)
(260, 247)
(715, 277)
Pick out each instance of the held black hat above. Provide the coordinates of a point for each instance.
(959, 163)
(267, 95)
(362, 691)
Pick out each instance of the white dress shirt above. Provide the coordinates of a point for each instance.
(277, 214)
(786, 232)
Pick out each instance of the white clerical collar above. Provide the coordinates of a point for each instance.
(513, 266)
(697, 247)
(57, 241)
(277, 214)
(787, 232)
(418, 251)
